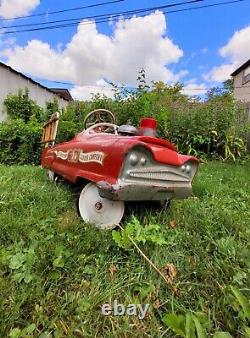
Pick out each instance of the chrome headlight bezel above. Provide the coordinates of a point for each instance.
(133, 159)
(189, 168)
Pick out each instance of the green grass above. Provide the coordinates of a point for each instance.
(55, 270)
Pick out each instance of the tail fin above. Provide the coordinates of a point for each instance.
(50, 130)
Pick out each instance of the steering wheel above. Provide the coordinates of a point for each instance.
(98, 116)
(102, 128)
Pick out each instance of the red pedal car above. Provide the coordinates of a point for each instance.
(118, 164)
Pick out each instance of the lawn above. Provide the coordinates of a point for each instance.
(56, 271)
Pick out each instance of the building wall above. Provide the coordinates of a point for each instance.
(241, 89)
(11, 82)
(242, 93)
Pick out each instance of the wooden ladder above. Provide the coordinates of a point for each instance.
(50, 130)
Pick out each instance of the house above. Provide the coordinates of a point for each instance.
(62, 92)
(11, 81)
(241, 84)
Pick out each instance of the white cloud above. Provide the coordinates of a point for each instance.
(52, 65)
(192, 88)
(136, 43)
(86, 92)
(236, 52)
(12, 8)
(238, 47)
(220, 73)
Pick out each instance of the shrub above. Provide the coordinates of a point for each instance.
(20, 142)
(20, 106)
(20, 136)
(210, 129)
(215, 128)
(71, 121)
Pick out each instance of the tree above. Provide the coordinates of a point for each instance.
(229, 85)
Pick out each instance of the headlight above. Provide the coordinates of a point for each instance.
(138, 157)
(188, 168)
(133, 159)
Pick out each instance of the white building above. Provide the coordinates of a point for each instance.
(11, 81)
(241, 84)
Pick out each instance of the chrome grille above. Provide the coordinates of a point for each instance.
(157, 174)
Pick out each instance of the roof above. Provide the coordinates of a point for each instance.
(242, 67)
(63, 92)
(31, 80)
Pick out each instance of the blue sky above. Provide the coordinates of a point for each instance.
(196, 35)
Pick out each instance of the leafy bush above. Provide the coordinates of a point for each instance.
(148, 234)
(20, 136)
(51, 108)
(20, 142)
(210, 129)
(20, 106)
(71, 121)
(215, 128)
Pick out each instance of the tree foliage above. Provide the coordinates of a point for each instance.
(20, 135)
(20, 106)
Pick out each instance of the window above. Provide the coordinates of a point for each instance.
(246, 75)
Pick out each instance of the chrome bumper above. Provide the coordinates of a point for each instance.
(144, 192)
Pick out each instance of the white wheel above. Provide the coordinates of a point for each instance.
(51, 175)
(102, 212)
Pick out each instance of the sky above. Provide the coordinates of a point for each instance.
(199, 48)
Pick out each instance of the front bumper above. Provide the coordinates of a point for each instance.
(144, 192)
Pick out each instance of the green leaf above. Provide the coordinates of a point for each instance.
(121, 237)
(222, 335)
(45, 335)
(16, 261)
(58, 262)
(247, 332)
(59, 250)
(88, 269)
(199, 330)
(189, 326)
(243, 301)
(30, 256)
(175, 323)
(145, 290)
(203, 319)
(15, 333)
(28, 277)
(18, 277)
(29, 329)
